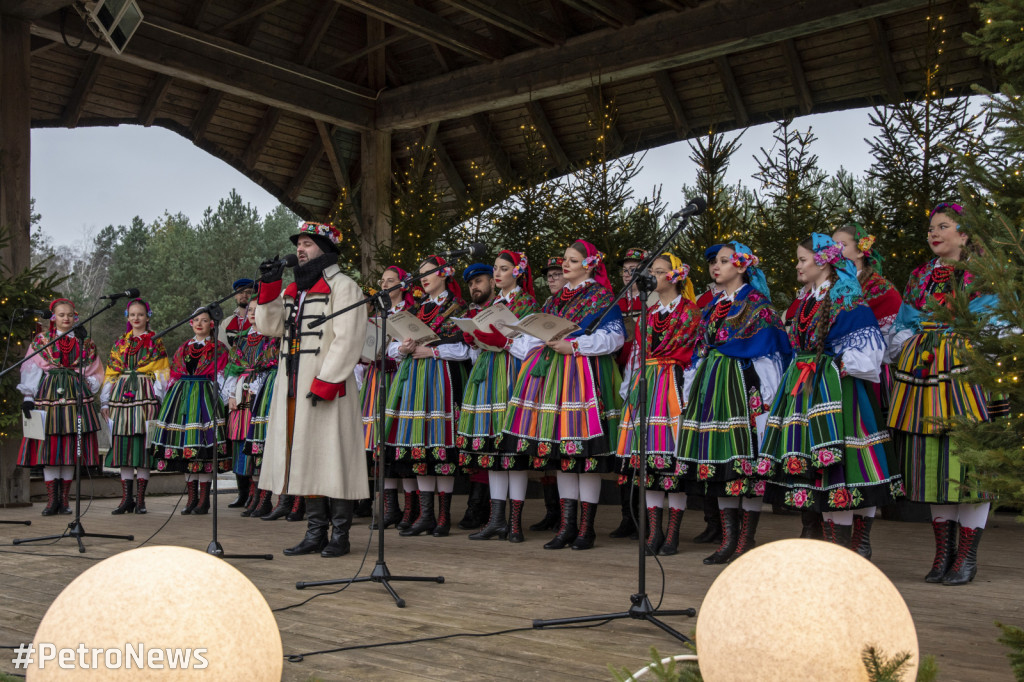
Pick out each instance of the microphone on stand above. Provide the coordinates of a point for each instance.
(289, 260)
(475, 250)
(696, 206)
(130, 293)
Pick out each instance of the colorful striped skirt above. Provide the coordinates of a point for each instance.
(564, 412)
(718, 438)
(256, 437)
(368, 396)
(421, 415)
(928, 389)
(133, 402)
(664, 409)
(58, 397)
(483, 413)
(190, 428)
(825, 447)
(239, 422)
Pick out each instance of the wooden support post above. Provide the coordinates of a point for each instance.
(15, 154)
(375, 182)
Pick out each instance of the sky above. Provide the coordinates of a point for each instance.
(84, 179)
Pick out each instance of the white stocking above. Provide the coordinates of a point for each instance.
(67, 473)
(517, 485)
(127, 473)
(944, 512)
(841, 518)
(590, 488)
(655, 499)
(446, 484)
(51, 473)
(498, 482)
(142, 473)
(728, 502)
(204, 478)
(409, 485)
(390, 484)
(189, 477)
(677, 501)
(973, 515)
(426, 484)
(568, 485)
(866, 512)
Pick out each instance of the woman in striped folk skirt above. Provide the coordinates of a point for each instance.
(135, 382)
(486, 398)
(564, 409)
(742, 349)
(671, 336)
(423, 402)
(370, 382)
(50, 382)
(251, 358)
(928, 394)
(189, 434)
(825, 447)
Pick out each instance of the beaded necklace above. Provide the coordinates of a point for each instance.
(805, 318)
(428, 316)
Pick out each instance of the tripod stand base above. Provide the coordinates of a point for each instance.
(641, 609)
(215, 549)
(380, 574)
(76, 531)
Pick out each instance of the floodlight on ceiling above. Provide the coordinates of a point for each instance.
(112, 21)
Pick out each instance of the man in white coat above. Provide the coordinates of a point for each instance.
(315, 441)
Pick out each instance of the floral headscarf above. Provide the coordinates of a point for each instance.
(410, 302)
(865, 242)
(595, 259)
(829, 252)
(680, 273)
(744, 256)
(521, 270)
(448, 272)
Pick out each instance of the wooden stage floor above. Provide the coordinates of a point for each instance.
(495, 585)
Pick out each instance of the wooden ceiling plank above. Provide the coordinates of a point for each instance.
(712, 29)
(670, 97)
(498, 156)
(197, 12)
(205, 115)
(510, 16)
(317, 30)
(887, 68)
(547, 134)
(584, 7)
(31, 9)
(178, 51)
(427, 145)
(80, 94)
(395, 36)
(623, 12)
(796, 72)
(427, 25)
(305, 170)
(157, 93)
(451, 173)
(340, 174)
(732, 91)
(261, 137)
(258, 9)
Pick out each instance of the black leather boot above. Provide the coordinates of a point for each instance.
(551, 508)
(127, 498)
(341, 521)
(264, 504)
(628, 503)
(838, 534)
(515, 521)
(52, 497)
(476, 506)
(748, 529)
(281, 509)
(730, 521)
(444, 515)
(65, 497)
(496, 524)
(945, 550)
(243, 491)
(298, 511)
(316, 528)
(860, 540)
(567, 528)
(392, 514)
(671, 544)
(425, 521)
(587, 535)
(712, 522)
(140, 496)
(363, 508)
(965, 566)
(410, 512)
(192, 487)
(811, 525)
(204, 498)
(655, 536)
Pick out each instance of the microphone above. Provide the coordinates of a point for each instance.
(130, 293)
(32, 312)
(290, 260)
(475, 251)
(696, 206)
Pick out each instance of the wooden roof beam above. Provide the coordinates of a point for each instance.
(665, 40)
(620, 11)
(317, 30)
(547, 134)
(671, 100)
(80, 94)
(585, 7)
(679, 5)
(31, 9)
(395, 36)
(258, 9)
(340, 174)
(427, 145)
(732, 91)
(451, 173)
(157, 93)
(510, 16)
(427, 25)
(796, 72)
(306, 168)
(205, 114)
(181, 52)
(261, 137)
(493, 149)
(886, 66)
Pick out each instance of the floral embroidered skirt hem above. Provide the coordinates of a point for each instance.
(420, 418)
(189, 427)
(564, 413)
(482, 418)
(664, 407)
(718, 438)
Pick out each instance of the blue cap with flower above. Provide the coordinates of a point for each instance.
(828, 251)
(744, 256)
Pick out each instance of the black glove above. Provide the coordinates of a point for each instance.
(314, 398)
(271, 270)
(27, 407)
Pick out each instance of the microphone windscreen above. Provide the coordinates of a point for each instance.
(700, 203)
(132, 293)
(291, 260)
(477, 250)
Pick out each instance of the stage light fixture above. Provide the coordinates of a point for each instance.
(112, 21)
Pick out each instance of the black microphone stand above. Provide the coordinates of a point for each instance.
(75, 528)
(640, 604)
(215, 313)
(380, 573)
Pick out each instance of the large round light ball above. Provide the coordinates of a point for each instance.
(159, 599)
(800, 610)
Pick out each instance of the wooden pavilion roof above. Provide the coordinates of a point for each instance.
(282, 89)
